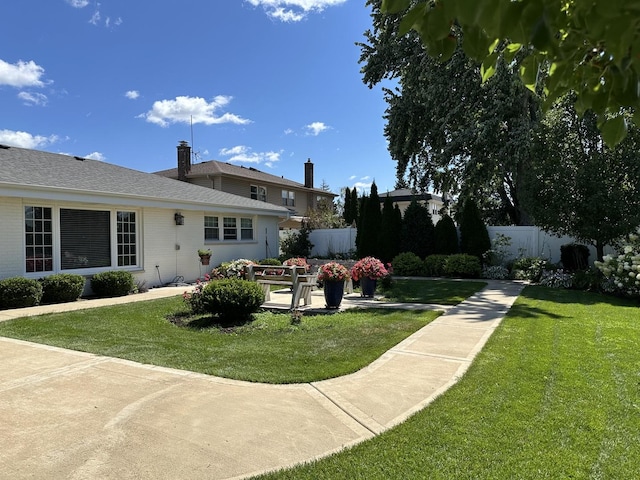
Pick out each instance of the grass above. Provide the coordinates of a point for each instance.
(269, 349)
(554, 394)
(442, 292)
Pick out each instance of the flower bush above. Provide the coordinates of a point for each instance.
(193, 299)
(495, 272)
(369, 267)
(556, 279)
(236, 268)
(623, 270)
(333, 272)
(297, 262)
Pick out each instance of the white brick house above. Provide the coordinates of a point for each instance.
(64, 214)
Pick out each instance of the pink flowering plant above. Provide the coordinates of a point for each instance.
(333, 272)
(297, 262)
(194, 298)
(369, 267)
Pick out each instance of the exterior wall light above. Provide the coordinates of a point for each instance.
(179, 218)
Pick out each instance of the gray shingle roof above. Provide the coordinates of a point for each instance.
(33, 168)
(214, 167)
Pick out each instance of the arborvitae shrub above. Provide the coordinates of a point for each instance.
(115, 283)
(574, 256)
(232, 299)
(407, 264)
(462, 265)
(474, 237)
(434, 265)
(19, 292)
(62, 287)
(445, 236)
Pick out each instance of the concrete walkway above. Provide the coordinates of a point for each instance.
(68, 414)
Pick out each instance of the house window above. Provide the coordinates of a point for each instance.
(288, 198)
(230, 227)
(85, 239)
(211, 229)
(127, 245)
(259, 193)
(38, 223)
(246, 229)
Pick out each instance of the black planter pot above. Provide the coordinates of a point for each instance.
(333, 292)
(368, 286)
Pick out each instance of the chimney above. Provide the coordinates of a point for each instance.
(184, 160)
(308, 174)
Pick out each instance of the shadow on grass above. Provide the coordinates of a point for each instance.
(558, 295)
(186, 319)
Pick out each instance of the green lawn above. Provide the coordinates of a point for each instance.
(442, 292)
(554, 394)
(269, 349)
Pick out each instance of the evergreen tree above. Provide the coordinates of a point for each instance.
(446, 236)
(389, 235)
(474, 237)
(347, 212)
(417, 230)
(360, 221)
(369, 225)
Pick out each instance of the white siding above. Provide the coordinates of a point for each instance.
(11, 237)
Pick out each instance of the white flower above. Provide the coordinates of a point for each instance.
(628, 249)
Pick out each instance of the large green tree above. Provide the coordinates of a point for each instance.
(591, 47)
(445, 128)
(417, 230)
(390, 231)
(579, 186)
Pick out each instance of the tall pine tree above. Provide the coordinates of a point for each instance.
(417, 230)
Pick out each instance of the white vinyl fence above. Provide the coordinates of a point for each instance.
(525, 241)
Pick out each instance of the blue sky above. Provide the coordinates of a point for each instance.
(266, 83)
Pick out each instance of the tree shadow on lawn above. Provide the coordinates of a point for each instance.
(186, 319)
(581, 297)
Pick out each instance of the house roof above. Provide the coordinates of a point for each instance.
(406, 195)
(68, 176)
(214, 167)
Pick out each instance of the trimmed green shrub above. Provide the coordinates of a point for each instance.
(446, 236)
(19, 292)
(114, 283)
(462, 265)
(62, 287)
(529, 268)
(434, 265)
(574, 256)
(589, 279)
(474, 237)
(232, 299)
(270, 261)
(408, 264)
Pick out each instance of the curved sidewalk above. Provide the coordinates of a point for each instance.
(69, 414)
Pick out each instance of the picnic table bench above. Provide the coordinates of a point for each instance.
(295, 277)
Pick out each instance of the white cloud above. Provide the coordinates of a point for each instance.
(316, 128)
(95, 156)
(352, 177)
(95, 18)
(132, 94)
(21, 74)
(244, 154)
(188, 109)
(25, 139)
(33, 98)
(78, 3)
(288, 131)
(293, 10)
(363, 187)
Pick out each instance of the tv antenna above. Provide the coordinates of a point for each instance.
(194, 154)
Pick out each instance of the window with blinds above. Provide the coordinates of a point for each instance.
(85, 239)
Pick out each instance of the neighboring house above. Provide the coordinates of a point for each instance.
(64, 214)
(251, 183)
(404, 196)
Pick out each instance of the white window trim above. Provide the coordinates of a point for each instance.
(238, 218)
(55, 230)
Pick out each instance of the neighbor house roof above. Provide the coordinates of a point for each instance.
(214, 167)
(406, 195)
(31, 172)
